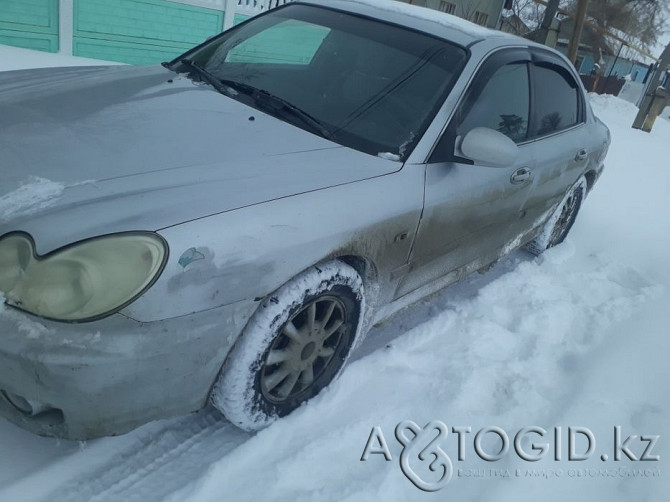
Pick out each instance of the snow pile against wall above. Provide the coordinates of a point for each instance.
(13, 58)
(631, 91)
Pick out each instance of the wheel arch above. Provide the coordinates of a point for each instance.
(590, 176)
(365, 267)
(231, 395)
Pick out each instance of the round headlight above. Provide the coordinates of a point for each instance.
(82, 282)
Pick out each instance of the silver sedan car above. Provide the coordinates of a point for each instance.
(225, 228)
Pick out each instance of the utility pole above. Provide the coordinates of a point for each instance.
(549, 15)
(655, 98)
(577, 30)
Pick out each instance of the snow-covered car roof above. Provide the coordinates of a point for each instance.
(423, 19)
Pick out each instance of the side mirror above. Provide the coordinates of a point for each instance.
(487, 147)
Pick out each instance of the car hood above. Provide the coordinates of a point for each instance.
(94, 150)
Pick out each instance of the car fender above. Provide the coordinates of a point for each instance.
(250, 252)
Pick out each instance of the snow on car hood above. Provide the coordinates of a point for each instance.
(94, 150)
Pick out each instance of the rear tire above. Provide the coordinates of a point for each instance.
(559, 224)
(294, 345)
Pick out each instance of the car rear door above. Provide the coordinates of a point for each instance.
(472, 213)
(559, 130)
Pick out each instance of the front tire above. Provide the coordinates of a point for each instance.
(294, 345)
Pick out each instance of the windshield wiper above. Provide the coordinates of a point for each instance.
(261, 97)
(206, 76)
(278, 105)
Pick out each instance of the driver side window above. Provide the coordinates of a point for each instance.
(502, 105)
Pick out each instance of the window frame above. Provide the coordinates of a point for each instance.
(481, 16)
(556, 63)
(447, 7)
(444, 147)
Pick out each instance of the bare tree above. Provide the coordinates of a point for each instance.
(531, 12)
(639, 21)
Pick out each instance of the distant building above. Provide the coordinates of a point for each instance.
(150, 31)
(128, 31)
(613, 58)
(483, 12)
(514, 24)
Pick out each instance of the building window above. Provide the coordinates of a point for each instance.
(481, 18)
(447, 7)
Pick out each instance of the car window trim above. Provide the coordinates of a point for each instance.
(553, 133)
(452, 112)
(544, 57)
(498, 57)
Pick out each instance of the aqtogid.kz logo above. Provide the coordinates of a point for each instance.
(423, 445)
(426, 464)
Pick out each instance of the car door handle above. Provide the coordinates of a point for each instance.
(521, 175)
(581, 154)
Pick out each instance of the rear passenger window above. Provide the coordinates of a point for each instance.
(503, 104)
(556, 99)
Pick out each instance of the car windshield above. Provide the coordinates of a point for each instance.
(362, 83)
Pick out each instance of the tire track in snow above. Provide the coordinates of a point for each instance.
(158, 463)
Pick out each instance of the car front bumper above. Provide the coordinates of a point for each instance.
(107, 377)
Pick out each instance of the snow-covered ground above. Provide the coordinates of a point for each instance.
(578, 337)
(14, 58)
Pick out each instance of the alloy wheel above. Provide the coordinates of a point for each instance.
(303, 349)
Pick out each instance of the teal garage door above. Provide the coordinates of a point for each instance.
(32, 24)
(140, 31)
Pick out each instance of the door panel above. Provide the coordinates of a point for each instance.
(557, 125)
(473, 212)
(557, 169)
(470, 213)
